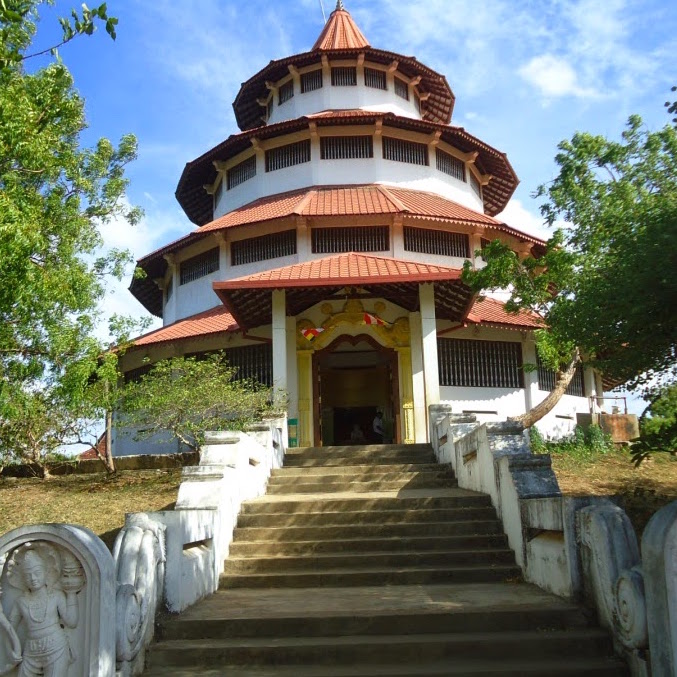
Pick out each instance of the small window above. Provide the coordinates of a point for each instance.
(479, 364)
(199, 266)
(263, 248)
(287, 156)
(405, 151)
(439, 242)
(350, 239)
(547, 379)
(401, 88)
(344, 76)
(285, 92)
(252, 362)
(375, 78)
(241, 172)
(346, 147)
(450, 165)
(475, 184)
(311, 81)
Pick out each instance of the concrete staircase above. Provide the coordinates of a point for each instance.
(367, 561)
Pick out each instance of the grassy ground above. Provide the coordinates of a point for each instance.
(644, 490)
(98, 502)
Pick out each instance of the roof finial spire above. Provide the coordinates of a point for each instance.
(339, 5)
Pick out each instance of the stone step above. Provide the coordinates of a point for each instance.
(328, 518)
(372, 649)
(329, 477)
(480, 667)
(526, 617)
(373, 530)
(361, 459)
(421, 575)
(371, 560)
(275, 488)
(338, 450)
(264, 506)
(299, 471)
(355, 545)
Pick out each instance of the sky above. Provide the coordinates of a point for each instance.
(526, 75)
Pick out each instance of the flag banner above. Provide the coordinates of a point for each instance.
(312, 333)
(370, 319)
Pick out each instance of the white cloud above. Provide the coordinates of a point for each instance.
(554, 77)
(521, 218)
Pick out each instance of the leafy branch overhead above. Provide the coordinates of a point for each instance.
(605, 283)
(57, 198)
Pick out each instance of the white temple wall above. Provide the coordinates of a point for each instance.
(345, 172)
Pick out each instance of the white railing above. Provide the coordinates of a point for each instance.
(581, 548)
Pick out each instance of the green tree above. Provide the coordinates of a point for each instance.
(56, 197)
(658, 424)
(186, 396)
(605, 286)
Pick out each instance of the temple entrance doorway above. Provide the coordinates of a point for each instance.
(354, 378)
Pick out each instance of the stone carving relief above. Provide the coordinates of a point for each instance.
(44, 581)
(140, 557)
(392, 336)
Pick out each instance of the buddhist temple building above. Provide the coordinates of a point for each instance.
(326, 258)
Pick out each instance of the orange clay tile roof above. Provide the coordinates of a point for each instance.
(340, 32)
(488, 311)
(492, 311)
(350, 268)
(209, 322)
(349, 200)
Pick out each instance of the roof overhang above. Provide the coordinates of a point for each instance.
(249, 299)
(198, 204)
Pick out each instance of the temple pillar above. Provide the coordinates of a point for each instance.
(279, 343)
(406, 396)
(304, 361)
(531, 397)
(429, 341)
(418, 379)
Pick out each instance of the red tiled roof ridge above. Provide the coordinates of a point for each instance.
(340, 32)
(487, 310)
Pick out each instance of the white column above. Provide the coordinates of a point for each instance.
(531, 398)
(426, 294)
(279, 341)
(418, 379)
(590, 383)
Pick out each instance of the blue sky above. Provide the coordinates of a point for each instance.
(525, 74)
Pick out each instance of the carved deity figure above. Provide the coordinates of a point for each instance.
(48, 603)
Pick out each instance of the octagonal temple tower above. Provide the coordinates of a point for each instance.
(330, 236)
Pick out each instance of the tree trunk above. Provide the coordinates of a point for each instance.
(536, 413)
(107, 456)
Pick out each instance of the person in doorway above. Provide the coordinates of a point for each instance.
(377, 426)
(357, 436)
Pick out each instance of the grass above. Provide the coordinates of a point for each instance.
(96, 501)
(643, 490)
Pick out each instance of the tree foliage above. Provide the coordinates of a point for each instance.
(186, 396)
(658, 425)
(606, 282)
(56, 197)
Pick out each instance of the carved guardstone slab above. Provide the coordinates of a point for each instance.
(57, 603)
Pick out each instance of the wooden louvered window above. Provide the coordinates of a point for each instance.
(241, 172)
(344, 76)
(547, 379)
(440, 242)
(402, 88)
(480, 364)
(287, 156)
(450, 165)
(311, 81)
(252, 363)
(346, 147)
(475, 184)
(350, 239)
(375, 78)
(263, 248)
(405, 151)
(285, 92)
(199, 266)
